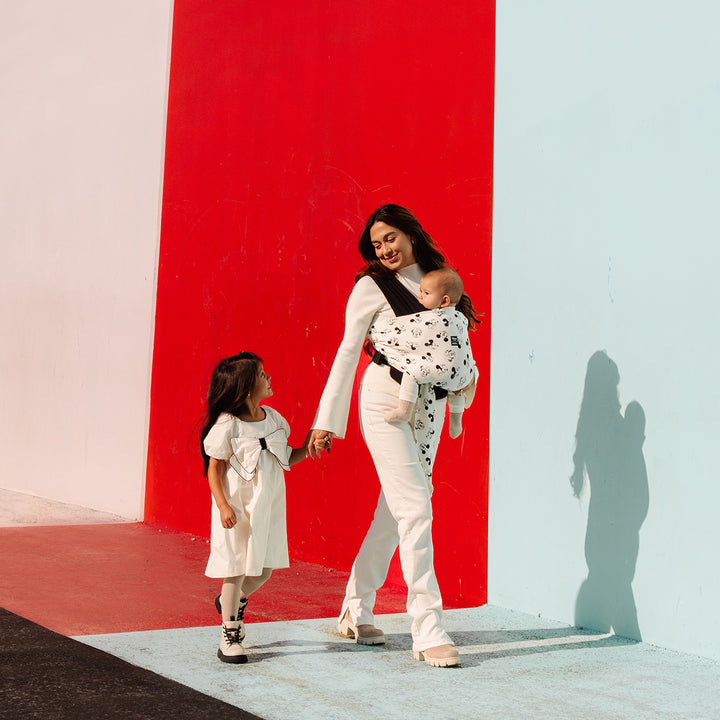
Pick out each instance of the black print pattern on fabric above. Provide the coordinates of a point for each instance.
(429, 418)
(430, 412)
(431, 346)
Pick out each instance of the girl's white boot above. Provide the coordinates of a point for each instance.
(240, 615)
(231, 650)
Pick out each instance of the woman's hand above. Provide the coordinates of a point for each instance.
(317, 440)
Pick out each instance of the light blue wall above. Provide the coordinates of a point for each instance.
(606, 238)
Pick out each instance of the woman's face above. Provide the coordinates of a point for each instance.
(393, 247)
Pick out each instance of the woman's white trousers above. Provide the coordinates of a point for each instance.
(403, 518)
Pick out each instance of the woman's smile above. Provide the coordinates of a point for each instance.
(392, 247)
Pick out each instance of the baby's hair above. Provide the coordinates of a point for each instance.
(449, 282)
(452, 286)
(232, 381)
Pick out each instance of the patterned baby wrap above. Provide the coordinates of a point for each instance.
(431, 346)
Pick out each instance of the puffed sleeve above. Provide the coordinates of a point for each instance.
(364, 302)
(280, 422)
(283, 424)
(217, 441)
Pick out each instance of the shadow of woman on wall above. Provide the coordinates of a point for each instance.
(609, 459)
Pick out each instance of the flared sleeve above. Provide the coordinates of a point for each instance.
(365, 301)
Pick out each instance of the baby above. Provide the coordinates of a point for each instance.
(431, 347)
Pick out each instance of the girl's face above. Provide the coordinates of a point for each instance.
(393, 247)
(261, 390)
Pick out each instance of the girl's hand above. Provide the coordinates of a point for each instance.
(317, 440)
(227, 515)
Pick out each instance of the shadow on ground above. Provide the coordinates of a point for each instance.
(475, 646)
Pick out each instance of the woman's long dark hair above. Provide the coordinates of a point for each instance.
(426, 252)
(232, 381)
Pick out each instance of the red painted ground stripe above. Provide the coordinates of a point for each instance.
(93, 579)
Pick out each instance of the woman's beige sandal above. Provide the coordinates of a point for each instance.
(439, 656)
(362, 634)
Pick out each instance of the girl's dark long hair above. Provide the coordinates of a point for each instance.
(232, 381)
(426, 252)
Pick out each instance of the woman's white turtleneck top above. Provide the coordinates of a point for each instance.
(366, 302)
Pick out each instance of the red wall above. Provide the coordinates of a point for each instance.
(288, 124)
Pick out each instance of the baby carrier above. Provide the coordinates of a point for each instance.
(402, 302)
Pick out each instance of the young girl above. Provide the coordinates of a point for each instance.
(245, 451)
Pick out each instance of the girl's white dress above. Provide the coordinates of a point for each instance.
(257, 453)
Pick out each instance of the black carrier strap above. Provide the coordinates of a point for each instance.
(400, 299)
(402, 302)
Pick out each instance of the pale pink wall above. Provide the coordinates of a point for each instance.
(83, 92)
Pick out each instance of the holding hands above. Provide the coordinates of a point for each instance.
(317, 441)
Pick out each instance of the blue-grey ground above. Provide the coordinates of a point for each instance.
(513, 666)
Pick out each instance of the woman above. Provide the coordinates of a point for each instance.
(393, 245)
